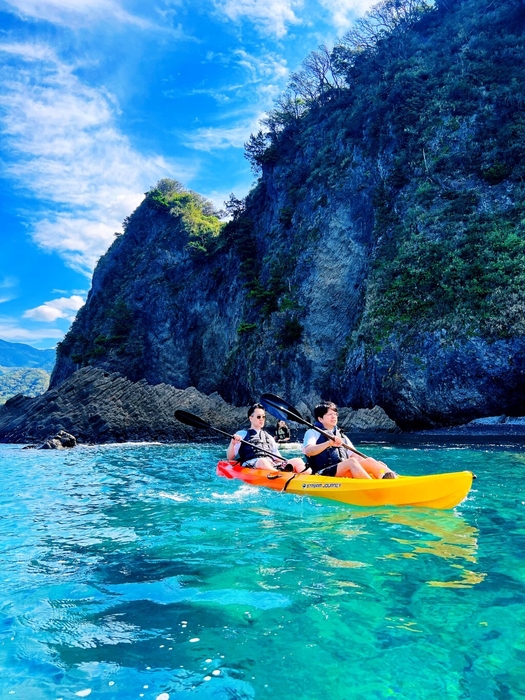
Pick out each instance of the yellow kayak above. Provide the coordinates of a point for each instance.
(434, 491)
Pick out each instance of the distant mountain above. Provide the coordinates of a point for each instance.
(28, 381)
(20, 355)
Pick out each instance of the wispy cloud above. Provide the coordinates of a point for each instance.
(68, 151)
(7, 285)
(11, 330)
(264, 78)
(270, 17)
(215, 138)
(77, 13)
(50, 311)
(344, 12)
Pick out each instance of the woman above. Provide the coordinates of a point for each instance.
(252, 454)
(282, 432)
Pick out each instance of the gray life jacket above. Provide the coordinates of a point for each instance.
(252, 451)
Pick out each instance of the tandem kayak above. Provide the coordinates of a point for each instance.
(434, 491)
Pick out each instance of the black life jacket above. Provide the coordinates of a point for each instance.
(328, 457)
(253, 450)
(282, 432)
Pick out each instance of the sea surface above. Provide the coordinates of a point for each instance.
(133, 571)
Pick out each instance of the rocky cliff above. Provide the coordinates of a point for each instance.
(378, 260)
(99, 407)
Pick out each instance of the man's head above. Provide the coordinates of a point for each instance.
(326, 413)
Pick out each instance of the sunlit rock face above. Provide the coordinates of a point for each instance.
(378, 261)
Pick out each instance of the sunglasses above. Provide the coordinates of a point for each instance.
(263, 417)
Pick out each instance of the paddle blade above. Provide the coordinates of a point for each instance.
(191, 419)
(281, 409)
(274, 411)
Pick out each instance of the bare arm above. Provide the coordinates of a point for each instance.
(231, 452)
(317, 448)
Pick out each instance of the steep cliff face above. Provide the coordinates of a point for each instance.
(379, 259)
(156, 311)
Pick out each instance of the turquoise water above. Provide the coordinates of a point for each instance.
(134, 572)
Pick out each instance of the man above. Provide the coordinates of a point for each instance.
(336, 457)
(252, 454)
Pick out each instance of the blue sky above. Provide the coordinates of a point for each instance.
(99, 99)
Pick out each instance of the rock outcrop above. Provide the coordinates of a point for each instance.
(379, 259)
(60, 441)
(98, 407)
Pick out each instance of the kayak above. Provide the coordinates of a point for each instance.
(434, 491)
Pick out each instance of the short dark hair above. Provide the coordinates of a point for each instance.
(254, 407)
(324, 407)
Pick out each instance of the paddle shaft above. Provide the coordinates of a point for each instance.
(207, 426)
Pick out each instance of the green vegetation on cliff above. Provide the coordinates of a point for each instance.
(22, 380)
(197, 215)
(426, 101)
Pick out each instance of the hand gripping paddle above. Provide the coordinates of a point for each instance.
(196, 422)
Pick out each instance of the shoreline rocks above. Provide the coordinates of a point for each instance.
(100, 407)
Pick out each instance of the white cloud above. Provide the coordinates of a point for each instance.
(215, 138)
(344, 12)
(10, 330)
(6, 285)
(8, 282)
(265, 79)
(50, 311)
(67, 150)
(268, 16)
(75, 13)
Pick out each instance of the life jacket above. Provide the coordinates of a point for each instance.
(282, 432)
(328, 457)
(253, 450)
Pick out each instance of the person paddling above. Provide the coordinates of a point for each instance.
(335, 457)
(251, 455)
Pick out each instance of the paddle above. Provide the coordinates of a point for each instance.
(279, 407)
(199, 423)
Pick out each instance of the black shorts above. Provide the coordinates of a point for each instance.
(328, 471)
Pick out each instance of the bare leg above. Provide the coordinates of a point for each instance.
(266, 464)
(352, 469)
(374, 467)
(297, 464)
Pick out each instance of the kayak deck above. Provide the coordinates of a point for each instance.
(441, 491)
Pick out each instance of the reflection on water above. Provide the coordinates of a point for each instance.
(451, 538)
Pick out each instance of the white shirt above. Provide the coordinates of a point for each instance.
(311, 436)
(243, 433)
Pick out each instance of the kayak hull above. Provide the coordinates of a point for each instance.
(441, 491)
